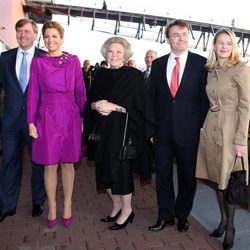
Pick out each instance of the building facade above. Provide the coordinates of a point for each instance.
(11, 11)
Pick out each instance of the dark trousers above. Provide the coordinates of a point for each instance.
(168, 203)
(11, 170)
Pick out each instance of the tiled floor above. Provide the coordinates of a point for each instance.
(23, 232)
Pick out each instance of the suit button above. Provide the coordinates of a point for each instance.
(173, 101)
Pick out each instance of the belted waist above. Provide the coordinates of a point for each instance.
(58, 97)
(217, 107)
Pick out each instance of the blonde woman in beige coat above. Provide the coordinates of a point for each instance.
(225, 131)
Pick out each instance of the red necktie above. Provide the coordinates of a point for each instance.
(175, 77)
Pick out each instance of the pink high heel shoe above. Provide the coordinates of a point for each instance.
(51, 223)
(67, 222)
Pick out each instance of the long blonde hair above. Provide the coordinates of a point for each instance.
(235, 55)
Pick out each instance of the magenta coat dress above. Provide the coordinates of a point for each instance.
(56, 99)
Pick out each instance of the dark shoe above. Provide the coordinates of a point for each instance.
(183, 225)
(218, 232)
(117, 226)
(160, 224)
(51, 223)
(4, 215)
(37, 210)
(111, 219)
(228, 244)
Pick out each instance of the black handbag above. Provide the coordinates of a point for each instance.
(237, 188)
(128, 149)
(94, 136)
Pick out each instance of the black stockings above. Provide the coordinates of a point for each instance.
(227, 212)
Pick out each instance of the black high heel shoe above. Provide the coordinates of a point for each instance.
(117, 226)
(229, 245)
(218, 232)
(111, 219)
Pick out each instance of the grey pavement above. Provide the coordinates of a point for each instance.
(206, 211)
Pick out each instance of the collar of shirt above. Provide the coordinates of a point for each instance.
(19, 58)
(171, 63)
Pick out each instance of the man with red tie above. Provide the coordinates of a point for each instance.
(177, 88)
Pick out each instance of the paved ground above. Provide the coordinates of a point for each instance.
(206, 211)
(23, 232)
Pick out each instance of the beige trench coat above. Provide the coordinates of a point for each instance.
(226, 124)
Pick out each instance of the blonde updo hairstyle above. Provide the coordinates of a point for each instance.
(53, 25)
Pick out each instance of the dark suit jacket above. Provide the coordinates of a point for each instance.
(15, 101)
(179, 118)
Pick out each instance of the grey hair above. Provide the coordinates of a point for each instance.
(116, 39)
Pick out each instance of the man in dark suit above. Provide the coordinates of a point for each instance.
(179, 116)
(88, 76)
(14, 122)
(150, 56)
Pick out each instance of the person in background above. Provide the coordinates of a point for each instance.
(104, 5)
(87, 75)
(132, 63)
(104, 64)
(150, 56)
(177, 88)
(14, 76)
(116, 91)
(56, 100)
(225, 132)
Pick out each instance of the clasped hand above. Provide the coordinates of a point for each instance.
(104, 108)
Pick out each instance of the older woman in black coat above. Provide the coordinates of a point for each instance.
(117, 91)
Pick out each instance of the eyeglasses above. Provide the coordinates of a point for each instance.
(178, 35)
(221, 43)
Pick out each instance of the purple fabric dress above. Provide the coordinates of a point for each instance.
(56, 99)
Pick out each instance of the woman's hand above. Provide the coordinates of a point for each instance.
(32, 130)
(240, 150)
(104, 108)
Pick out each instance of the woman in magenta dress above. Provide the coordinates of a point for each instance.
(56, 99)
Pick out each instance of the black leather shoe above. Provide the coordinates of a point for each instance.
(37, 210)
(4, 215)
(183, 225)
(160, 224)
(117, 226)
(111, 219)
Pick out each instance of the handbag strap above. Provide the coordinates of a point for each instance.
(125, 130)
(242, 162)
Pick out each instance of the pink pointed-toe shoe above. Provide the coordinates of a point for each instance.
(51, 223)
(67, 222)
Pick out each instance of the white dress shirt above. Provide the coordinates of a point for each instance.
(171, 64)
(19, 58)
